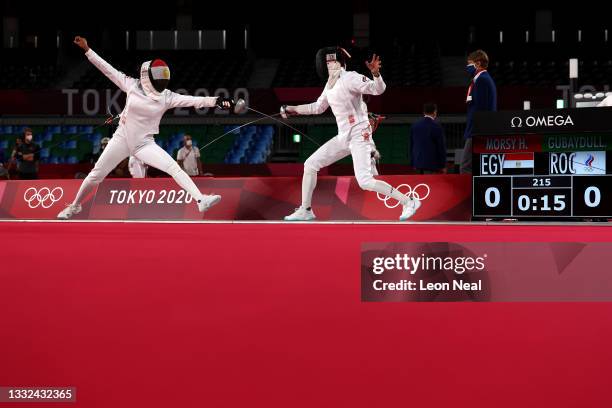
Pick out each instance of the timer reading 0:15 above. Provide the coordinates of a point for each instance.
(541, 202)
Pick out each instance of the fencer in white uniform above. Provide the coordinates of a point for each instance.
(344, 92)
(138, 169)
(147, 101)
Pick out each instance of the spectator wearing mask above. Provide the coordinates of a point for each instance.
(189, 158)
(427, 143)
(481, 96)
(29, 155)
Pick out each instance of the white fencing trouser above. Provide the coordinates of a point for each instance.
(137, 168)
(360, 148)
(148, 151)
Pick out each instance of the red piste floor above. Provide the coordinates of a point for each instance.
(250, 315)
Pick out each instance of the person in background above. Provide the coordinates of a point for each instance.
(189, 158)
(427, 143)
(481, 96)
(29, 153)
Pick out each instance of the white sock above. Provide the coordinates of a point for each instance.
(386, 189)
(309, 182)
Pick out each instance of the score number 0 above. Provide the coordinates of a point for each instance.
(592, 198)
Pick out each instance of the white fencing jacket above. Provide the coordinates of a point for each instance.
(345, 100)
(142, 113)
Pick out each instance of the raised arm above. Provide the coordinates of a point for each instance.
(123, 81)
(364, 85)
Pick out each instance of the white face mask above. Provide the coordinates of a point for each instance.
(333, 69)
(188, 143)
(145, 81)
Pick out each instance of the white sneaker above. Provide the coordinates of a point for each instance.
(69, 211)
(301, 214)
(207, 200)
(409, 209)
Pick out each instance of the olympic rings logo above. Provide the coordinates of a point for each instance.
(44, 198)
(421, 194)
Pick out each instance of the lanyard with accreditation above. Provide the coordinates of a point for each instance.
(469, 91)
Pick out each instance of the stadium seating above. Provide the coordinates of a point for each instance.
(29, 69)
(410, 62)
(252, 145)
(247, 145)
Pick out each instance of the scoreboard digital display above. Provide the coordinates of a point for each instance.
(543, 164)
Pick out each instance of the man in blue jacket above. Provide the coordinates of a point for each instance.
(481, 96)
(427, 144)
